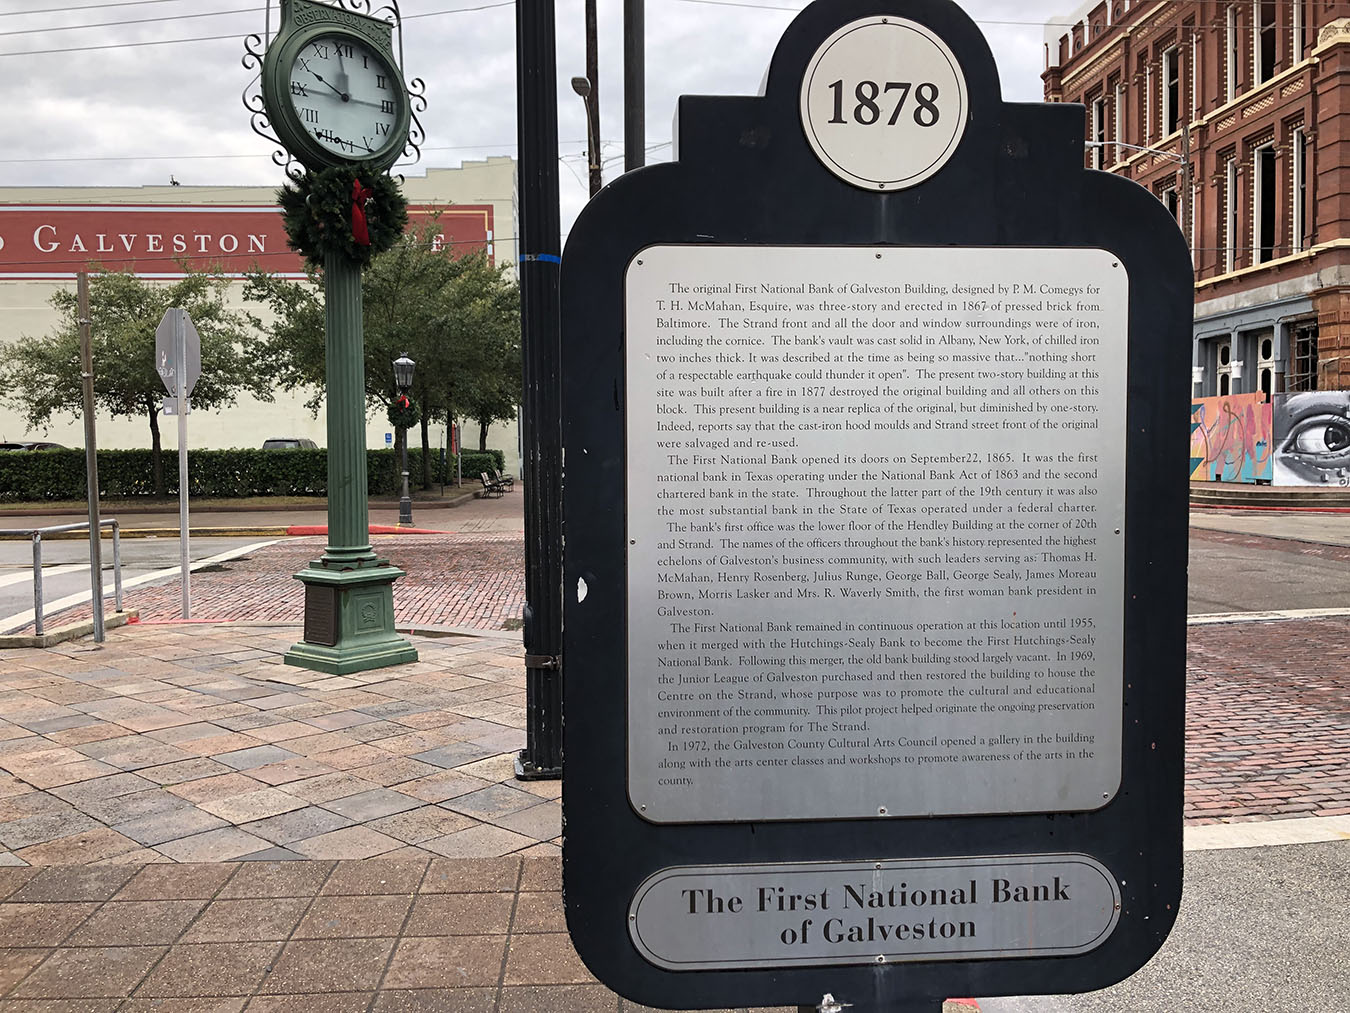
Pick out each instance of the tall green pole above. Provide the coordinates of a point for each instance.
(348, 510)
(349, 595)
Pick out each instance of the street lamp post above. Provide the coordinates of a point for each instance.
(582, 86)
(403, 378)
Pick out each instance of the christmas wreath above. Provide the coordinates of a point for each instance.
(403, 412)
(354, 210)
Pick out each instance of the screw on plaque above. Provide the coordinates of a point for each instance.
(828, 1004)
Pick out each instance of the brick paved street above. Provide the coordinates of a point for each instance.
(473, 577)
(1267, 720)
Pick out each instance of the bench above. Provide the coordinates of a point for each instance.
(491, 487)
(508, 482)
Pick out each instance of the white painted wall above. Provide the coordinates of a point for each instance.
(25, 308)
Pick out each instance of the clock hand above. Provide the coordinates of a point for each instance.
(332, 138)
(342, 79)
(337, 91)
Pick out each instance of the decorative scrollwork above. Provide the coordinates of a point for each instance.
(254, 51)
(257, 108)
(417, 103)
(356, 6)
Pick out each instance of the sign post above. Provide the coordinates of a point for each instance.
(90, 454)
(178, 360)
(894, 416)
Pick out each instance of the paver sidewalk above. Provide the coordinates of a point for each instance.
(195, 743)
(418, 933)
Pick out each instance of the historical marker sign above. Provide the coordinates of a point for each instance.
(876, 518)
(884, 103)
(875, 407)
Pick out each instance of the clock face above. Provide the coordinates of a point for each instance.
(346, 96)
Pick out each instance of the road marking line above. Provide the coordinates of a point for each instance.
(1267, 833)
(1217, 618)
(47, 571)
(21, 619)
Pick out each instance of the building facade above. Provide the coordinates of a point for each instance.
(48, 234)
(1236, 115)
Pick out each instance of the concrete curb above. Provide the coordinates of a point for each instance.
(273, 531)
(74, 631)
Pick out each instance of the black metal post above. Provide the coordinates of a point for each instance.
(540, 260)
(634, 86)
(405, 501)
(592, 101)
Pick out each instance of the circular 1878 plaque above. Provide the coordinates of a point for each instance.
(884, 103)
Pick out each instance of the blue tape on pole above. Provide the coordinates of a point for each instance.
(548, 258)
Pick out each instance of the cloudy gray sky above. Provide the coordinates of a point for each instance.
(102, 92)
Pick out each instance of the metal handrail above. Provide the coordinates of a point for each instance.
(36, 535)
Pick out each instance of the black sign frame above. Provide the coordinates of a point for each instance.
(746, 175)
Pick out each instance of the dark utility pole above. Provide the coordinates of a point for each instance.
(540, 260)
(592, 100)
(634, 86)
(90, 454)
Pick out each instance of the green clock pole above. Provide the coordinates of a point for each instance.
(349, 592)
(329, 76)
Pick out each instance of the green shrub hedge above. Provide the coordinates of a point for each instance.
(127, 474)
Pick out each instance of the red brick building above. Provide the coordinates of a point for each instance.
(1235, 114)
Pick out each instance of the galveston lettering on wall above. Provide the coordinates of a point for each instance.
(58, 240)
(875, 524)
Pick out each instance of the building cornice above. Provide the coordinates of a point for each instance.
(1334, 33)
(1293, 258)
(1120, 36)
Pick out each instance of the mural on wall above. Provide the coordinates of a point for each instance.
(1231, 439)
(1312, 438)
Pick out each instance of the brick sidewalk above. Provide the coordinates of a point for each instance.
(195, 743)
(389, 936)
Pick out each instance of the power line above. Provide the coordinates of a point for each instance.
(218, 38)
(136, 21)
(1060, 22)
(89, 7)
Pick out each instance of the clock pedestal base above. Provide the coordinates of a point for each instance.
(349, 620)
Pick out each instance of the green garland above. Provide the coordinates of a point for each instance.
(403, 412)
(317, 212)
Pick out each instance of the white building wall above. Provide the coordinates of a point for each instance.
(25, 309)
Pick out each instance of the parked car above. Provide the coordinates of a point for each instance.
(31, 445)
(289, 443)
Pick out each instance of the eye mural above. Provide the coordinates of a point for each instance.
(1312, 438)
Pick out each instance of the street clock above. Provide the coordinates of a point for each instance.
(332, 89)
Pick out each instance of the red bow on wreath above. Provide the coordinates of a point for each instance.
(360, 195)
(403, 402)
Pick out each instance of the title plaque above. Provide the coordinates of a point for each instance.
(873, 912)
(875, 514)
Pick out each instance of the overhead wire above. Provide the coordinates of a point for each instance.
(87, 7)
(212, 38)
